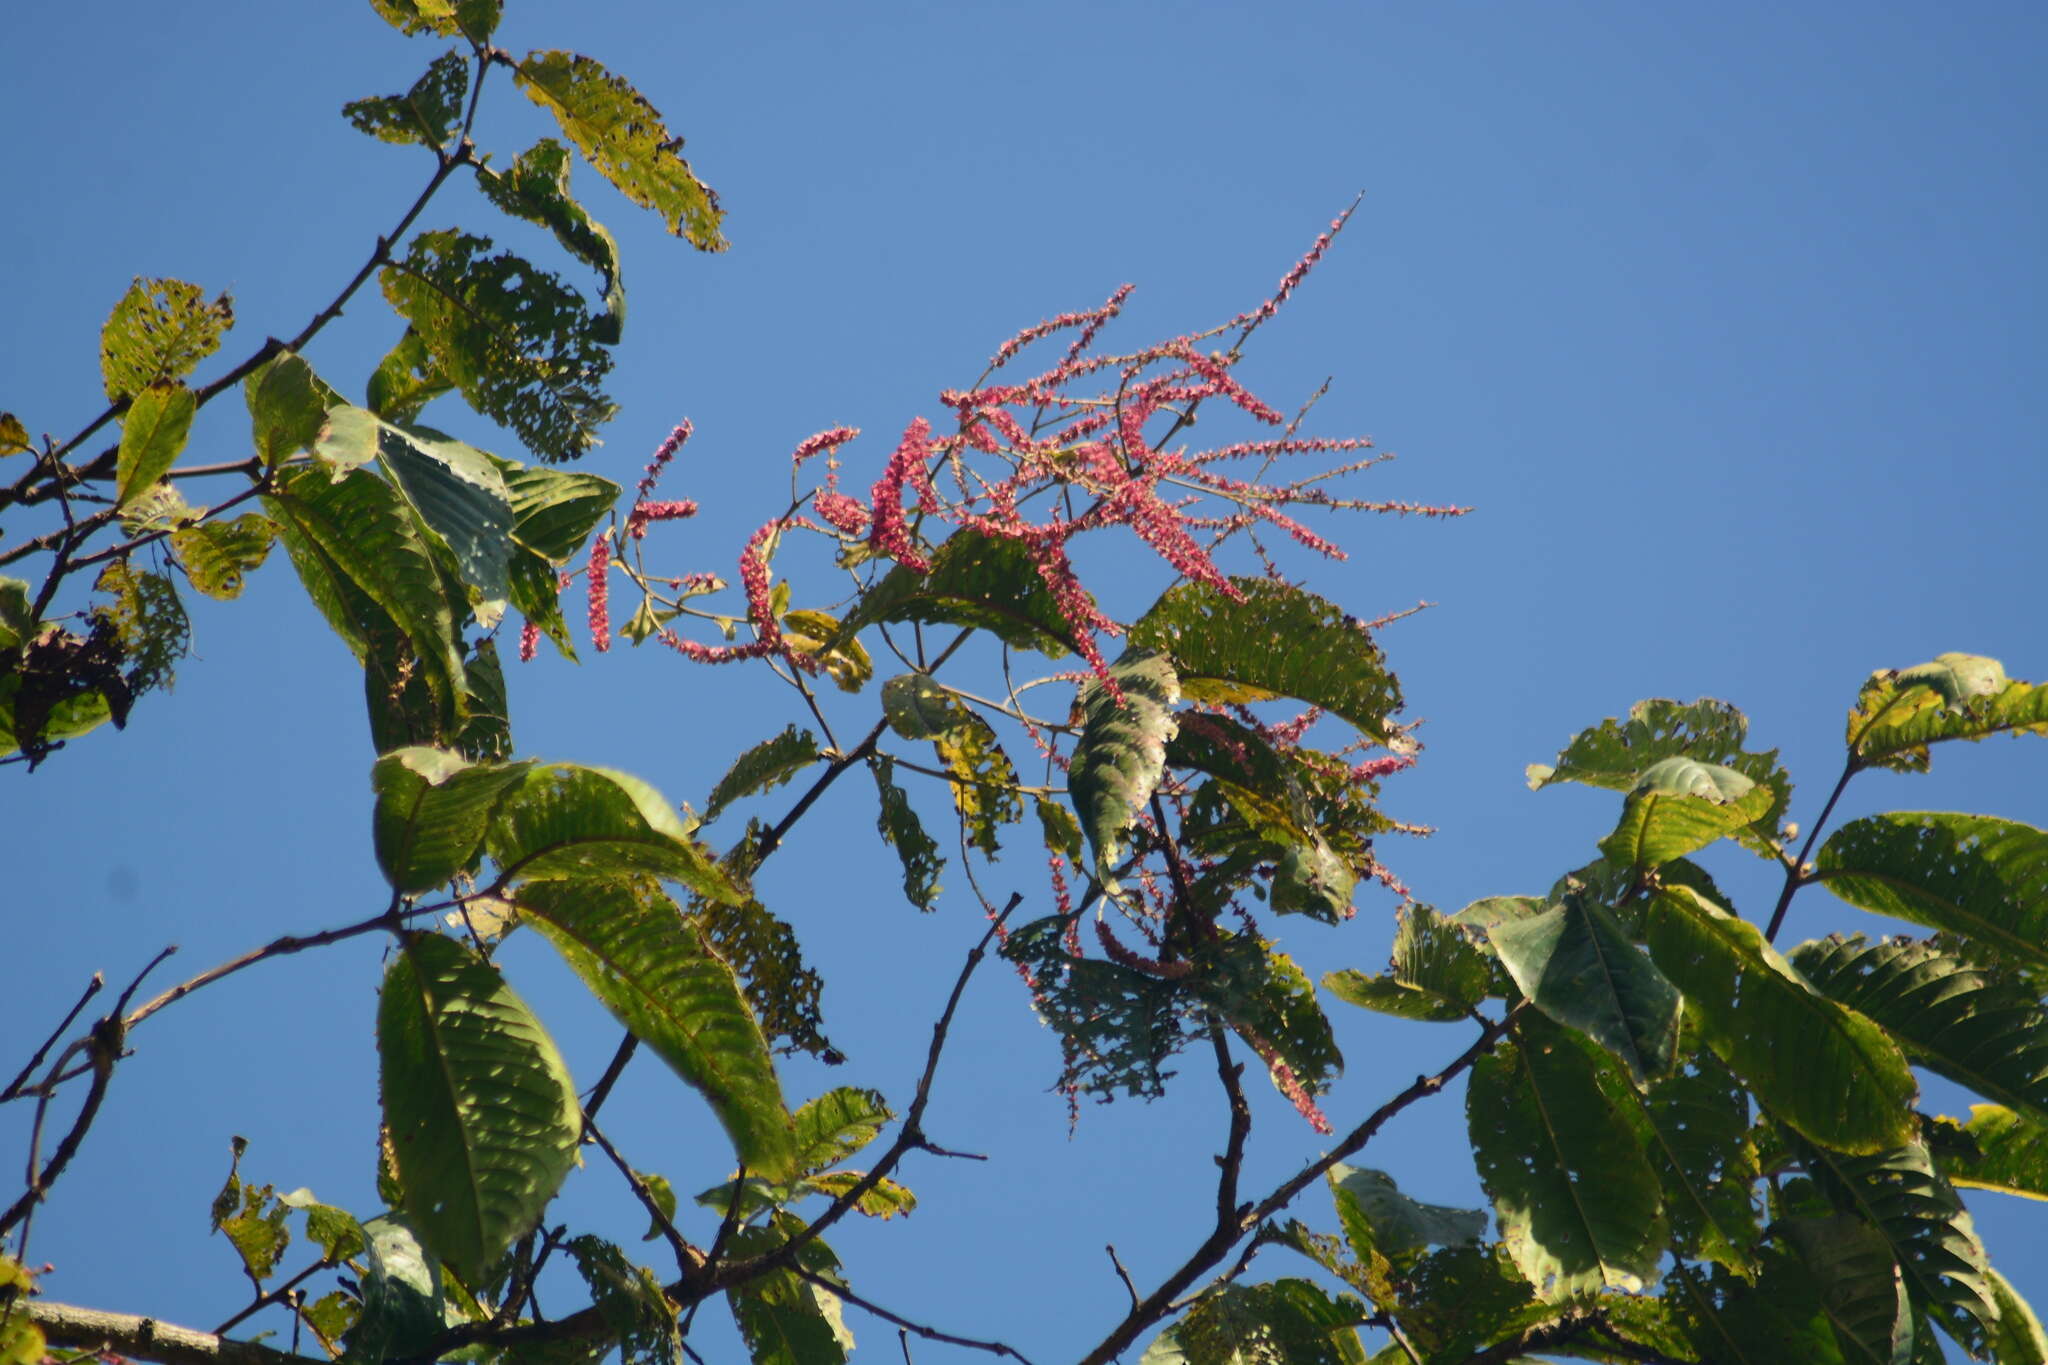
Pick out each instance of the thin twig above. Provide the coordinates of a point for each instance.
(1797, 870)
(903, 1323)
(689, 1260)
(14, 1087)
(1121, 1273)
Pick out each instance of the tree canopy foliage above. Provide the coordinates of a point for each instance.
(1698, 1145)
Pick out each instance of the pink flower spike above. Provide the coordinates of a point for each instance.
(829, 439)
(889, 533)
(663, 453)
(645, 512)
(529, 641)
(598, 584)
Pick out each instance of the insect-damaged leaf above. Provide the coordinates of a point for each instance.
(1955, 696)
(482, 1114)
(158, 332)
(1575, 964)
(1437, 973)
(1121, 754)
(1679, 805)
(980, 581)
(1977, 876)
(427, 113)
(767, 765)
(657, 974)
(904, 832)
(536, 188)
(622, 135)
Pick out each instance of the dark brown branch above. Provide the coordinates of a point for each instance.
(102, 1048)
(1797, 871)
(14, 1087)
(916, 1329)
(689, 1260)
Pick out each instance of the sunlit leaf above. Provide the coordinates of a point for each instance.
(1274, 641)
(1974, 875)
(218, 554)
(837, 1124)
(657, 974)
(427, 113)
(483, 1117)
(1400, 1224)
(565, 821)
(767, 765)
(2019, 1338)
(472, 19)
(516, 341)
(1956, 696)
(1846, 1084)
(555, 510)
(460, 495)
(1575, 964)
(335, 1231)
(1679, 805)
(1121, 753)
(1579, 1205)
(2011, 1156)
(158, 332)
(153, 432)
(984, 785)
(14, 438)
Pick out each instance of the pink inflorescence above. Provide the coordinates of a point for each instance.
(598, 585)
(645, 512)
(663, 453)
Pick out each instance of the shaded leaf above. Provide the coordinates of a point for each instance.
(1615, 753)
(1436, 972)
(1679, 805)
(518, 343)
(1273, 641)
(1285, 1322)
(555, 510)
(885, 1200)
(287, 407)
(335, 1231)
(1952, 1017)
(406, 380)
(1579, 1205)
(764, 767)
(1827, 1071)
(783, 991)
(1117, 1026)
(1575, 964)
(536, 188)
(483, 1117)
(918, 707)
(1930, 1235)
(1270, 1002)
(428, 113)
(148, 621)
(432, 810)
(1776, 1319)
(1857, 1283)
(1957, 696)
(459, 494)
(787, 1320)
(837, 1124)
(1456, 1300)
(1121, 753)
(637, 1313)
(158, 332)
(218, 554)
(1974, 875)
(657, 974)
(401, 1295)
(622, 135)
(153, 433)
(566, 821)
(905, 833)
(1400, 1224)
(979, 581)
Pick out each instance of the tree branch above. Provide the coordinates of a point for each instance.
(125, 1334)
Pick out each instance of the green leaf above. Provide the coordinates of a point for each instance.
(905, 833)
(1930, 1235)
(432, 810)
(1777, 1319)
(153, 433)
(518, 343)
(767, 765)
(1062, 833)
(1845, 1084)
(984, 785)
(148, 621)
(1400, 1224)
(885, 1200)
(1575, 964)
(2019, 1338)
(401, 1295)
(1615, 753)
(158, 332)
(978, 581)
(536, 591)
(555, 510)
(1857, 1283)
(1274, 641)
(287, 407)
(339, 1236)
(1271, 1003)
(782, 990)
(256, 1228)
(427, 114)
(459, 494)
(472, 19)
(482, 1114)
(1579, 1205)
(2012, 1154)
(837, 1124)
(1117, 1026)
(1285, 1322)
(536, 189)
(787, 1320)
(1436, 972)
(218, 554)
(565, 821)
(917, 707)
(406, 380)
(1458, 1299)
(1679, 805)
(1121, 753)
(656, 972)
(637, 1314)
(366, 567)
(1695, 1127)
(1951, 1016)
(1957, 696)
(622, 135)
(817, 634)
(14, 438)
(1974, 875)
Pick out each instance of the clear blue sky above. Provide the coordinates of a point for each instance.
(1728, 320)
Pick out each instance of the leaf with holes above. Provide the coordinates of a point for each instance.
(218, 555)
(1978, 876)
(1956, 696)
(471, 19)
(781, 988)
(2011, 1154)
(555, 510)
(482, 1114)
(837, 1124)
(1271, 641)
(621, 134)
(428, 113)
(159, 331)
(536, 188)
(1121, 753)
(978, 581)
(786, 1319)
(903, 831)
(762, 768)
(657, 974)
(1580, 1207)
(1575, 964)
(1400, 1224)
(1680, 805)
(1436, 972)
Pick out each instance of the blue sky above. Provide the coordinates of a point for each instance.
(1727, 322)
